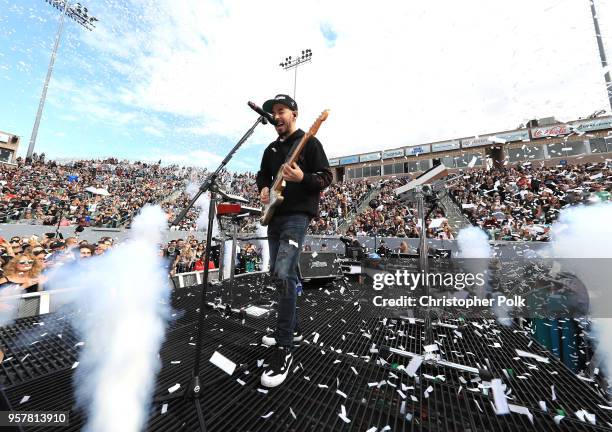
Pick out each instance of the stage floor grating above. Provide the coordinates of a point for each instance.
(337, 365)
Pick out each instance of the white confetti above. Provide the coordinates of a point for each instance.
(267, 415)
(501, 403)
(174, 388)
(521, 410)
(164, 409)
(531, 355)
(75, 365)
(341, 393)
(414, 365)
(584, 414)
(431, 348)
(292, 413)
(24, 399)
(223, 363)
(342, 414)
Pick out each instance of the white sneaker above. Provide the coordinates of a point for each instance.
(280, 361)
(270, 338)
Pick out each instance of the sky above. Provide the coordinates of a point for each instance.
(170, 79)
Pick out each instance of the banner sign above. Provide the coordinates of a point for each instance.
(4, 137)
(369, 157)
(443, 146)
(473, 142)
(579, 126)
(334, 162)
(349, 160)
(593, 124)
(417, 150)
(521, 135)
(550, 131)
(387, 154)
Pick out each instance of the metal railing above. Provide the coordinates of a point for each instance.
(350, 216)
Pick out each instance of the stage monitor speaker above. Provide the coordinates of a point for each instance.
(443, 253)
(320, 266)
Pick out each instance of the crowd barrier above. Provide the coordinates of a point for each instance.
(333, 242)
(187, 279)
(38, 303)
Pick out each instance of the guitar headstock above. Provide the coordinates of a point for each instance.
(317, 123)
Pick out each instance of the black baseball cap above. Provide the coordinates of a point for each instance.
(282, 99)
(58, 244)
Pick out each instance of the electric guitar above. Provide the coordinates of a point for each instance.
(278, 187)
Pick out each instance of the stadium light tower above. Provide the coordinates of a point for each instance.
(293, 63)
(602, 53)
(79, 14)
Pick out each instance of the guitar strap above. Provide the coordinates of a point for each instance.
(296, 142)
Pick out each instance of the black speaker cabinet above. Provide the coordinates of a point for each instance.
(319, 266)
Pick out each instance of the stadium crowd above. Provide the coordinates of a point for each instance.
(89, 193)
(387, 216)
(25, 261)
(521, 202)
(338, 201)
(242, 185)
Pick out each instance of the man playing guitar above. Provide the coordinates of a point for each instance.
(304, 180)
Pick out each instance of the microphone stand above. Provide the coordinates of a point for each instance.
(59, 222)
(193, 391)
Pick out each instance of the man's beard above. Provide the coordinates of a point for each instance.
(284, 134)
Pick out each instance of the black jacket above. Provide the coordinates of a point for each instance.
(299, 197)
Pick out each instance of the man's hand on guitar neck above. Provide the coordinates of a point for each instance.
(292, 173)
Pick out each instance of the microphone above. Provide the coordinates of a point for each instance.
(262, 113)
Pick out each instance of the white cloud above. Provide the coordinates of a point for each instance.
(153, 131)
(397, 73)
